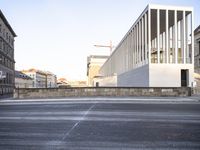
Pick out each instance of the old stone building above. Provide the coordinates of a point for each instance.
(22, 80)
(94, 63)
(197, 58)
(7, 62)
(42, 79)
(197, 49)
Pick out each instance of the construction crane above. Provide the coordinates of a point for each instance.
(107, 46)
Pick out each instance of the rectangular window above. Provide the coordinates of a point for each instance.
(3, 32)
(199, 47)
(1, 44)
(199, 62)
(1, 59)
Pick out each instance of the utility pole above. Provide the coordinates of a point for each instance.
(107, 46)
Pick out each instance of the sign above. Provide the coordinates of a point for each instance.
(2, 76)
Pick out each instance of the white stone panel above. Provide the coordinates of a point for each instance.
(138, 77)
(168, 75)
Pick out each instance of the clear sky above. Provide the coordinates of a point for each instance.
(58, 35)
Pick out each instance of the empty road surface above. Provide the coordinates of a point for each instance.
(99, 125)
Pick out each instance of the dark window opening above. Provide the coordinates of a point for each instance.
(184, 78)
(199, 47)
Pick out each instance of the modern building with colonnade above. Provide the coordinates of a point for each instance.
(157, 51)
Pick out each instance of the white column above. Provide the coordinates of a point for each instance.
(139, 36)
(175, 38)
(122, 58)
(183, 41)
(186, 38)
(127, 51)
(163, 48)
(149, 31)
(145, 32)
(158, 35)
(130, 50)
(192, 38)
(132, 40)
(134, 47)
(137, 44)
(142, 41)
(124, 54)
(126, 47)
(131, 61)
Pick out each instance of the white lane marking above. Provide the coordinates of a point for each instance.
(17, 115)
(147, 145)
(108, 119)
(52, 113)
(104, 99)
(76, 124)
(122, 101)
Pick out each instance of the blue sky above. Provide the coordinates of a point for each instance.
(58, 35)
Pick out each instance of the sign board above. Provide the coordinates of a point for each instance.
(2, 76)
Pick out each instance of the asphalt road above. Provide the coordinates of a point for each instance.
(99, 125)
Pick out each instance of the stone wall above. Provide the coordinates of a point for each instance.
(100, 91)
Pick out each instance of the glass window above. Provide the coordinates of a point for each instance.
(3, 32)
(199, 62)
(1, 44)
(154, 36)
(199, 47)
(163, 36)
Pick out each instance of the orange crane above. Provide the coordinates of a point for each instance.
(108, 46)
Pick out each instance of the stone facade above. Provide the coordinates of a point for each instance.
(42, 79)
(100, 91)
(94, 62)
(22, 80)
(197, 59)
(7, 62)
(39, 78)
(197, 49)
(51, 80)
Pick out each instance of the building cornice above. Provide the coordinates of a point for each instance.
(7, 24)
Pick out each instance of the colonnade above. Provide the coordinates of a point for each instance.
(161, 34)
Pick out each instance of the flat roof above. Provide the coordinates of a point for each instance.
(170, 7)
